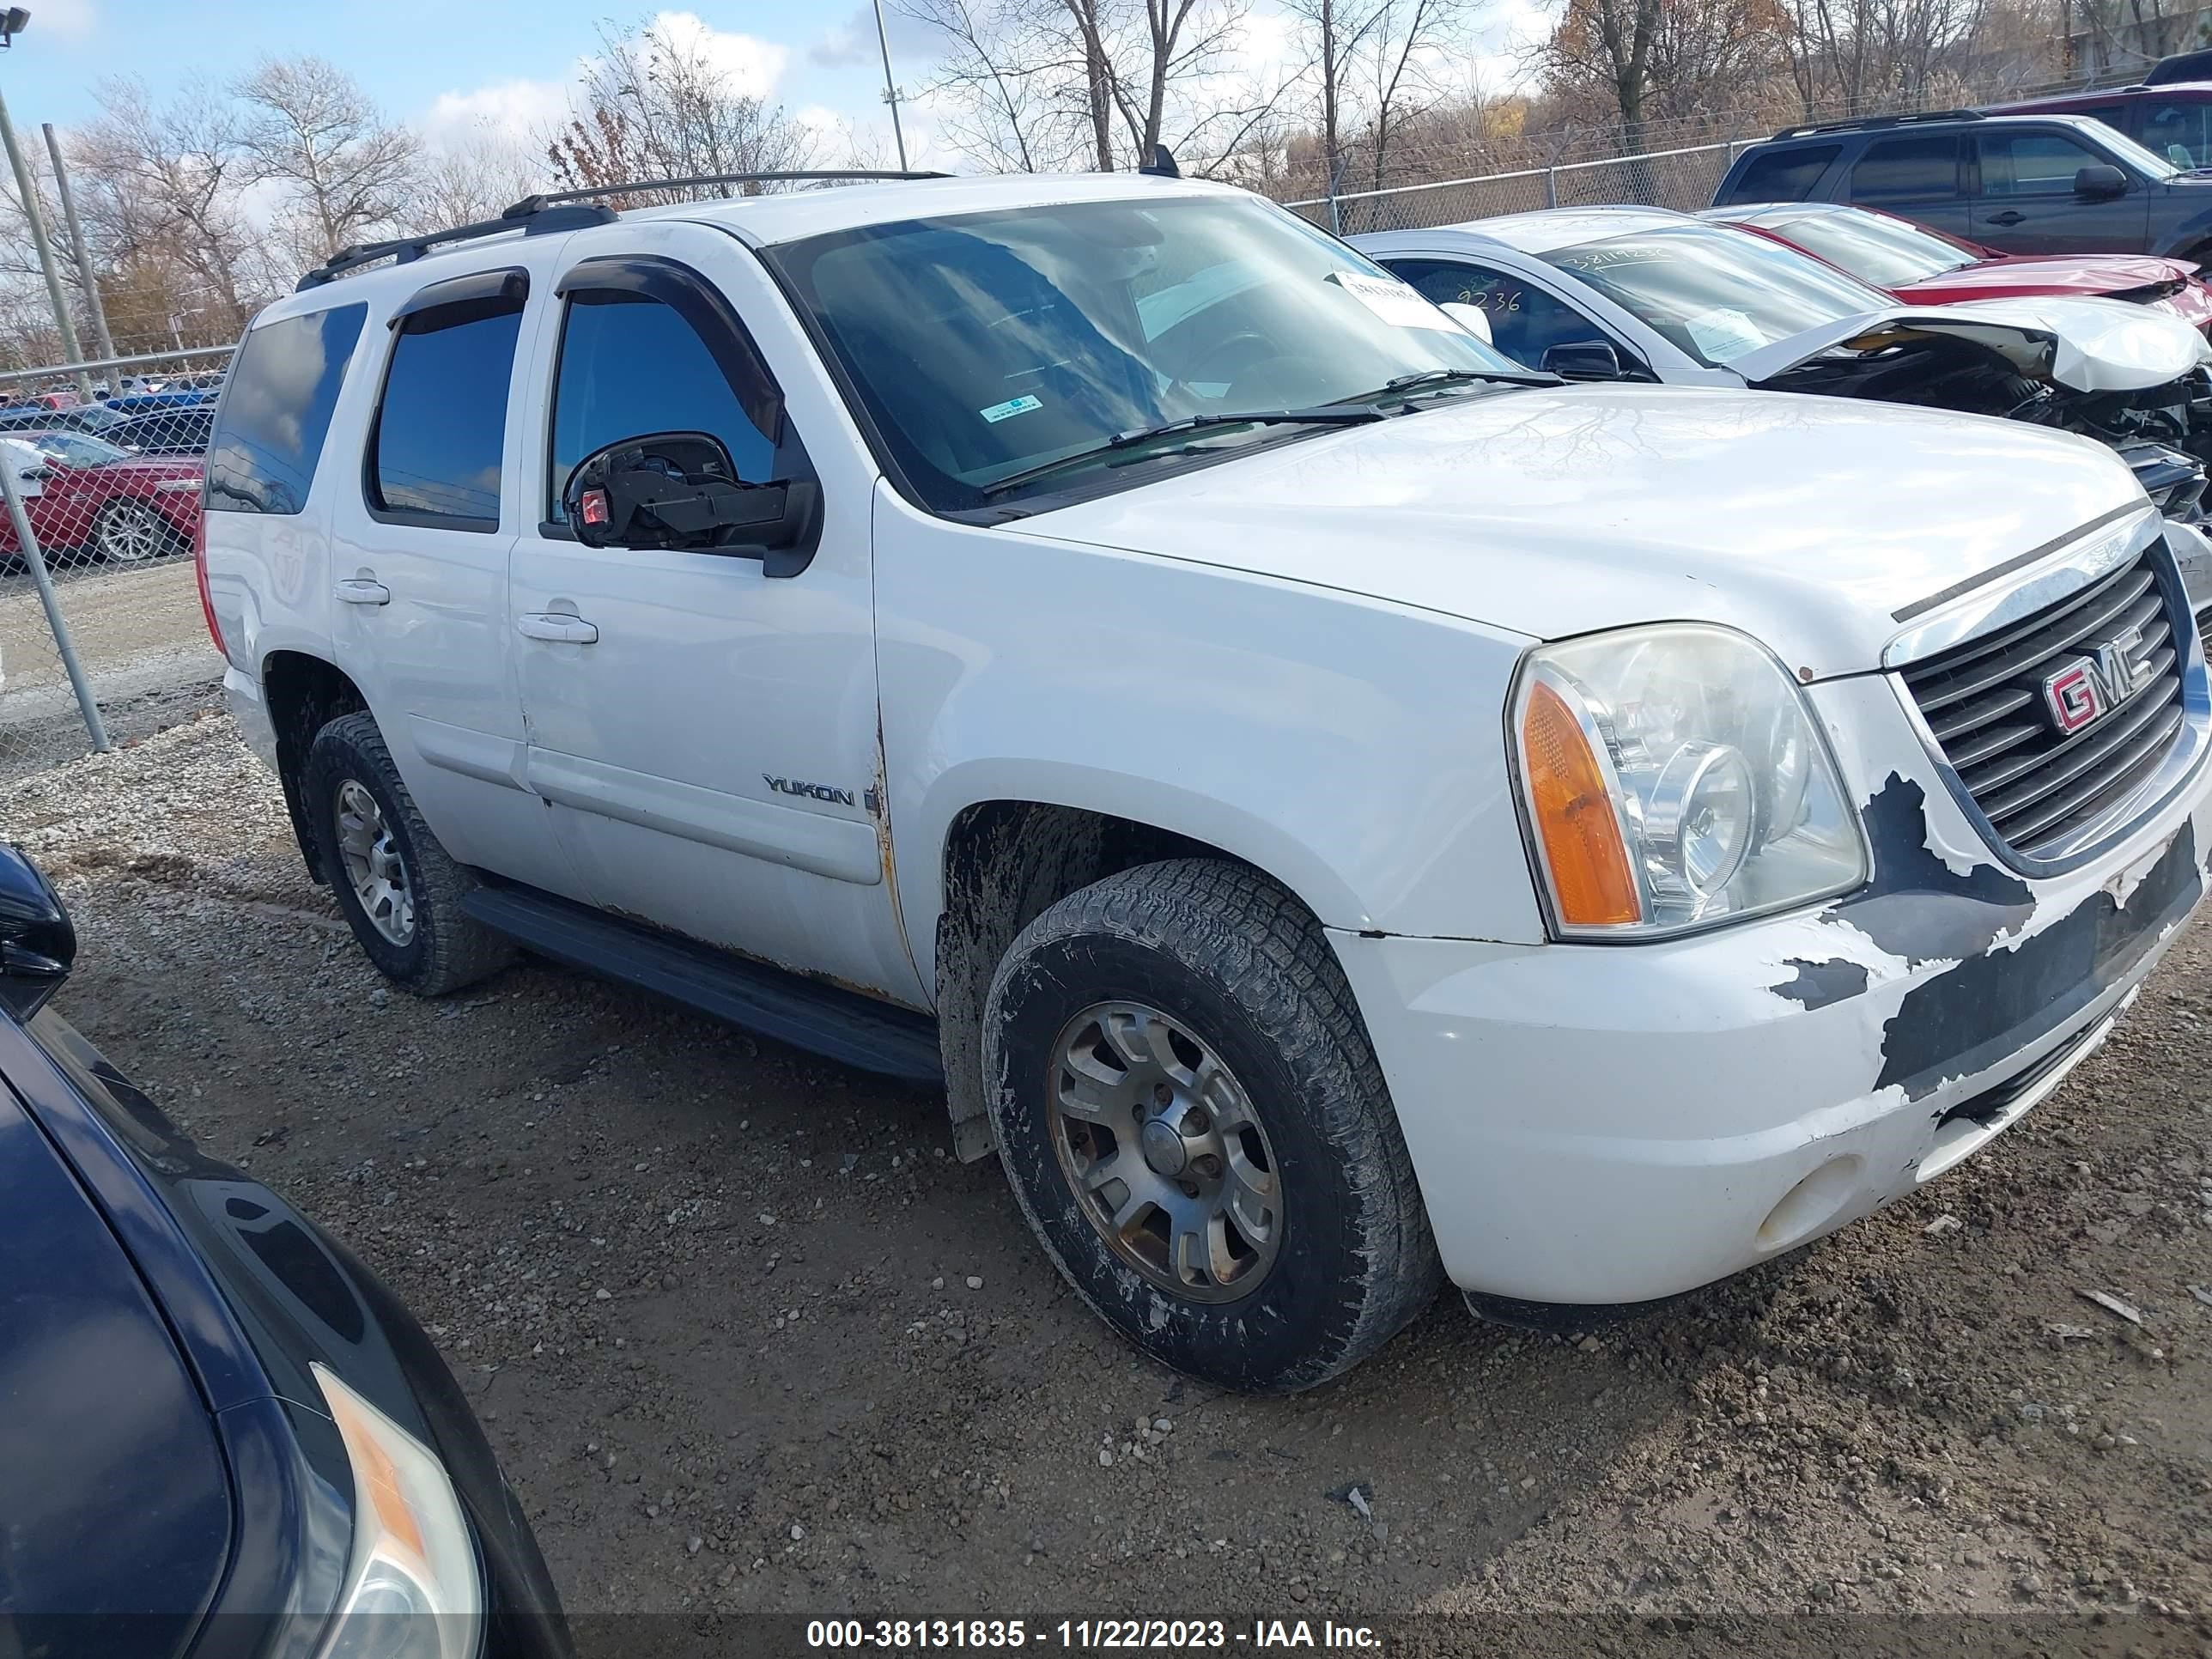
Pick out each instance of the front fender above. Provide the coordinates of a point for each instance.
(1352, 749)
(2177, 241)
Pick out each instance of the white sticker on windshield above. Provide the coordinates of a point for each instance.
(1723, 334)
(1392, 300)
(1008, 410)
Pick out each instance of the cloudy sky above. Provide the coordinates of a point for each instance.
(454, 67)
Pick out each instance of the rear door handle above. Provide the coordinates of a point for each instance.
(359, 590)
(554, 626)
(2009, 216)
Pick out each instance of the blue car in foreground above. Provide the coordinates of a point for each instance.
(219, 1434)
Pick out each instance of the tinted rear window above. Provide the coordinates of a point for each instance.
(1904, 169)
(1780, 175)
(275, 410)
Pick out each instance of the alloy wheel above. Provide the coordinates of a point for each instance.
(373, 864)
(132, 534)
(1165, 1152)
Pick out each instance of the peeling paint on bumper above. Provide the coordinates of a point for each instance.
(1613, 1124)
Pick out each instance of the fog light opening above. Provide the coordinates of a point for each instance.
(1812, 1204)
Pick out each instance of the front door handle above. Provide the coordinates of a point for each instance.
(359, 590)
(2009, 216)
(554, 625)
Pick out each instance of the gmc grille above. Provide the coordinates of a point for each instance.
(2000, 707)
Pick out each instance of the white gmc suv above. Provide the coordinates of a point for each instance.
(1335, 810)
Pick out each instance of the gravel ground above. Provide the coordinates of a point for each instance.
(139, 637)
(748, 1339)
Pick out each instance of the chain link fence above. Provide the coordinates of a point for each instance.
(1683, 178)
(101, 636)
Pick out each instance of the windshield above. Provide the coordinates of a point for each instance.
(984, 345)
(1887, 253)
(2127, 152)
(1718, 294)
(75, 449)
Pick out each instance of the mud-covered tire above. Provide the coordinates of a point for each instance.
(1238, 964)
(445, 949)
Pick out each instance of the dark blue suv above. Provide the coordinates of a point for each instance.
(2022, 184)
(219, 1434)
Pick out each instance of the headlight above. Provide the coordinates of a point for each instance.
(177, 484)
(412, 1586)
(1673, 778)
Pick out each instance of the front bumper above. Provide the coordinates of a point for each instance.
(1607, 1124)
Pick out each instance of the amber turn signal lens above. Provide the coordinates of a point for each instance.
(1591, 881)
(375, 1472)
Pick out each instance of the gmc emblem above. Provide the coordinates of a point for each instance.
(2073, 695)
(2081, 690)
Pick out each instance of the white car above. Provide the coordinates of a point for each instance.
(1334, 809)
(1642, 295)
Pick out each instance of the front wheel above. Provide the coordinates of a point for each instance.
(1196, 1125)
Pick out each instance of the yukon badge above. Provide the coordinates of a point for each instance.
(814, 791)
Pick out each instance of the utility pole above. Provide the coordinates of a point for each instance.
(55, 295)
(10, 25)
(890, 87)
(86, 279)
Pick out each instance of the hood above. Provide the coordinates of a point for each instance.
(2062, 273)
(2082, 343)
(1806, 522)
(114, 1489)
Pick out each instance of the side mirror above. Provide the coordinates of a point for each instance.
(1474, 318)
(680, 489)
(1583, 359)
(37, 943)
(2100, 182)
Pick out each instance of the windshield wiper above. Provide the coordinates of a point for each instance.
(1344, 413)
(1421, 377)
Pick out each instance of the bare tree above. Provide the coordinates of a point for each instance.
(1335, 31)
(996, 91)
(161, 192)
(465, 184)
(1608, 41)
(1404, 35)
(1855, 55)
(310, 127)
(1039, 82)
(1095, 24)
(657, 104)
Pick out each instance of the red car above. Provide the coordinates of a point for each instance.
(1926, 266)
(84, 496)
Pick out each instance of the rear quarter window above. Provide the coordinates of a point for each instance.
(1918, 167)
(275, 410)
(1780, 175)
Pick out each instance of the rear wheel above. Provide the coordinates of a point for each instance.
(400, 891)
(131, 533)
(1194, 1124)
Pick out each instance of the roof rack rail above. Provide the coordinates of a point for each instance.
(566, 209)
(403, 250)
(530, 204)
(1860, 123)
